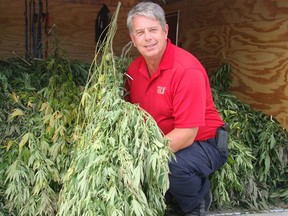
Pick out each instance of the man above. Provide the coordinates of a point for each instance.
(173, 87)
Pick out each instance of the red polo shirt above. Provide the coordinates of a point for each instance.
(178, 95)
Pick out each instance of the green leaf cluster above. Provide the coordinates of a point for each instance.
(256, 174)
(120, 165)
(36, 118)
(69, 149)
(70, 144)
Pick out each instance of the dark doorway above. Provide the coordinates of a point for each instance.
(172, 20)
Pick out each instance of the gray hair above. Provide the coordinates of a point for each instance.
(147, 9)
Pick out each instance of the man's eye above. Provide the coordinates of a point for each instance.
(139, 33)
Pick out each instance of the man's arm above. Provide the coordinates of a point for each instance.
(181, 138)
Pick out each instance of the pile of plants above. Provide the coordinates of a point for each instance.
(256, 174)
(70, 144)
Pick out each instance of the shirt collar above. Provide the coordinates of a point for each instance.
(168, 57)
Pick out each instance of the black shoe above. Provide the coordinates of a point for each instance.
(203, 207)
(172, 211)
(172, 208)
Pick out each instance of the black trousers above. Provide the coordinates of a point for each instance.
(189, 172)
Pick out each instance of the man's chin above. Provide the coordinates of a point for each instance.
(150, 54)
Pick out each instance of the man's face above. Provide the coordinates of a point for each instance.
(149, 37)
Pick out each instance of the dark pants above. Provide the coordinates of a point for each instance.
(189, 174)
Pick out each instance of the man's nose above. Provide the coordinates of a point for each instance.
(147, 35)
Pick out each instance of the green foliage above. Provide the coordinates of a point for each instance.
(120, 164)
(70, 144)
(256, 172)
(70, 149)
(40, 105)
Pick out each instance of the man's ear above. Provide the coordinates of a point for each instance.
(166, 30)
(132, 39)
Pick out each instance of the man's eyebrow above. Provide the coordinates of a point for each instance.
(151, 27)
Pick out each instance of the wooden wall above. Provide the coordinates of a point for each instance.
(250, 35)
(72, 22)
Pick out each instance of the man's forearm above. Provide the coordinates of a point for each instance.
(181, 138)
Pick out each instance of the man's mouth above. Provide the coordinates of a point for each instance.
(149, 46)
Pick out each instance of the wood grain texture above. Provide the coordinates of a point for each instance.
(12, 32)
(258, 55)
(73, 24)
(249, 35)
(252, 37)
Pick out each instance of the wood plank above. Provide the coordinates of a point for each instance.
(258, 56)
(12, 32)
(250, 35)
(199, 13)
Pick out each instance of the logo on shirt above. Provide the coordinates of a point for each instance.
(161, 90)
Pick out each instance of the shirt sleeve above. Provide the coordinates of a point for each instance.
(190, 100)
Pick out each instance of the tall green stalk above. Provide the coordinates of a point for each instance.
(120, 165)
